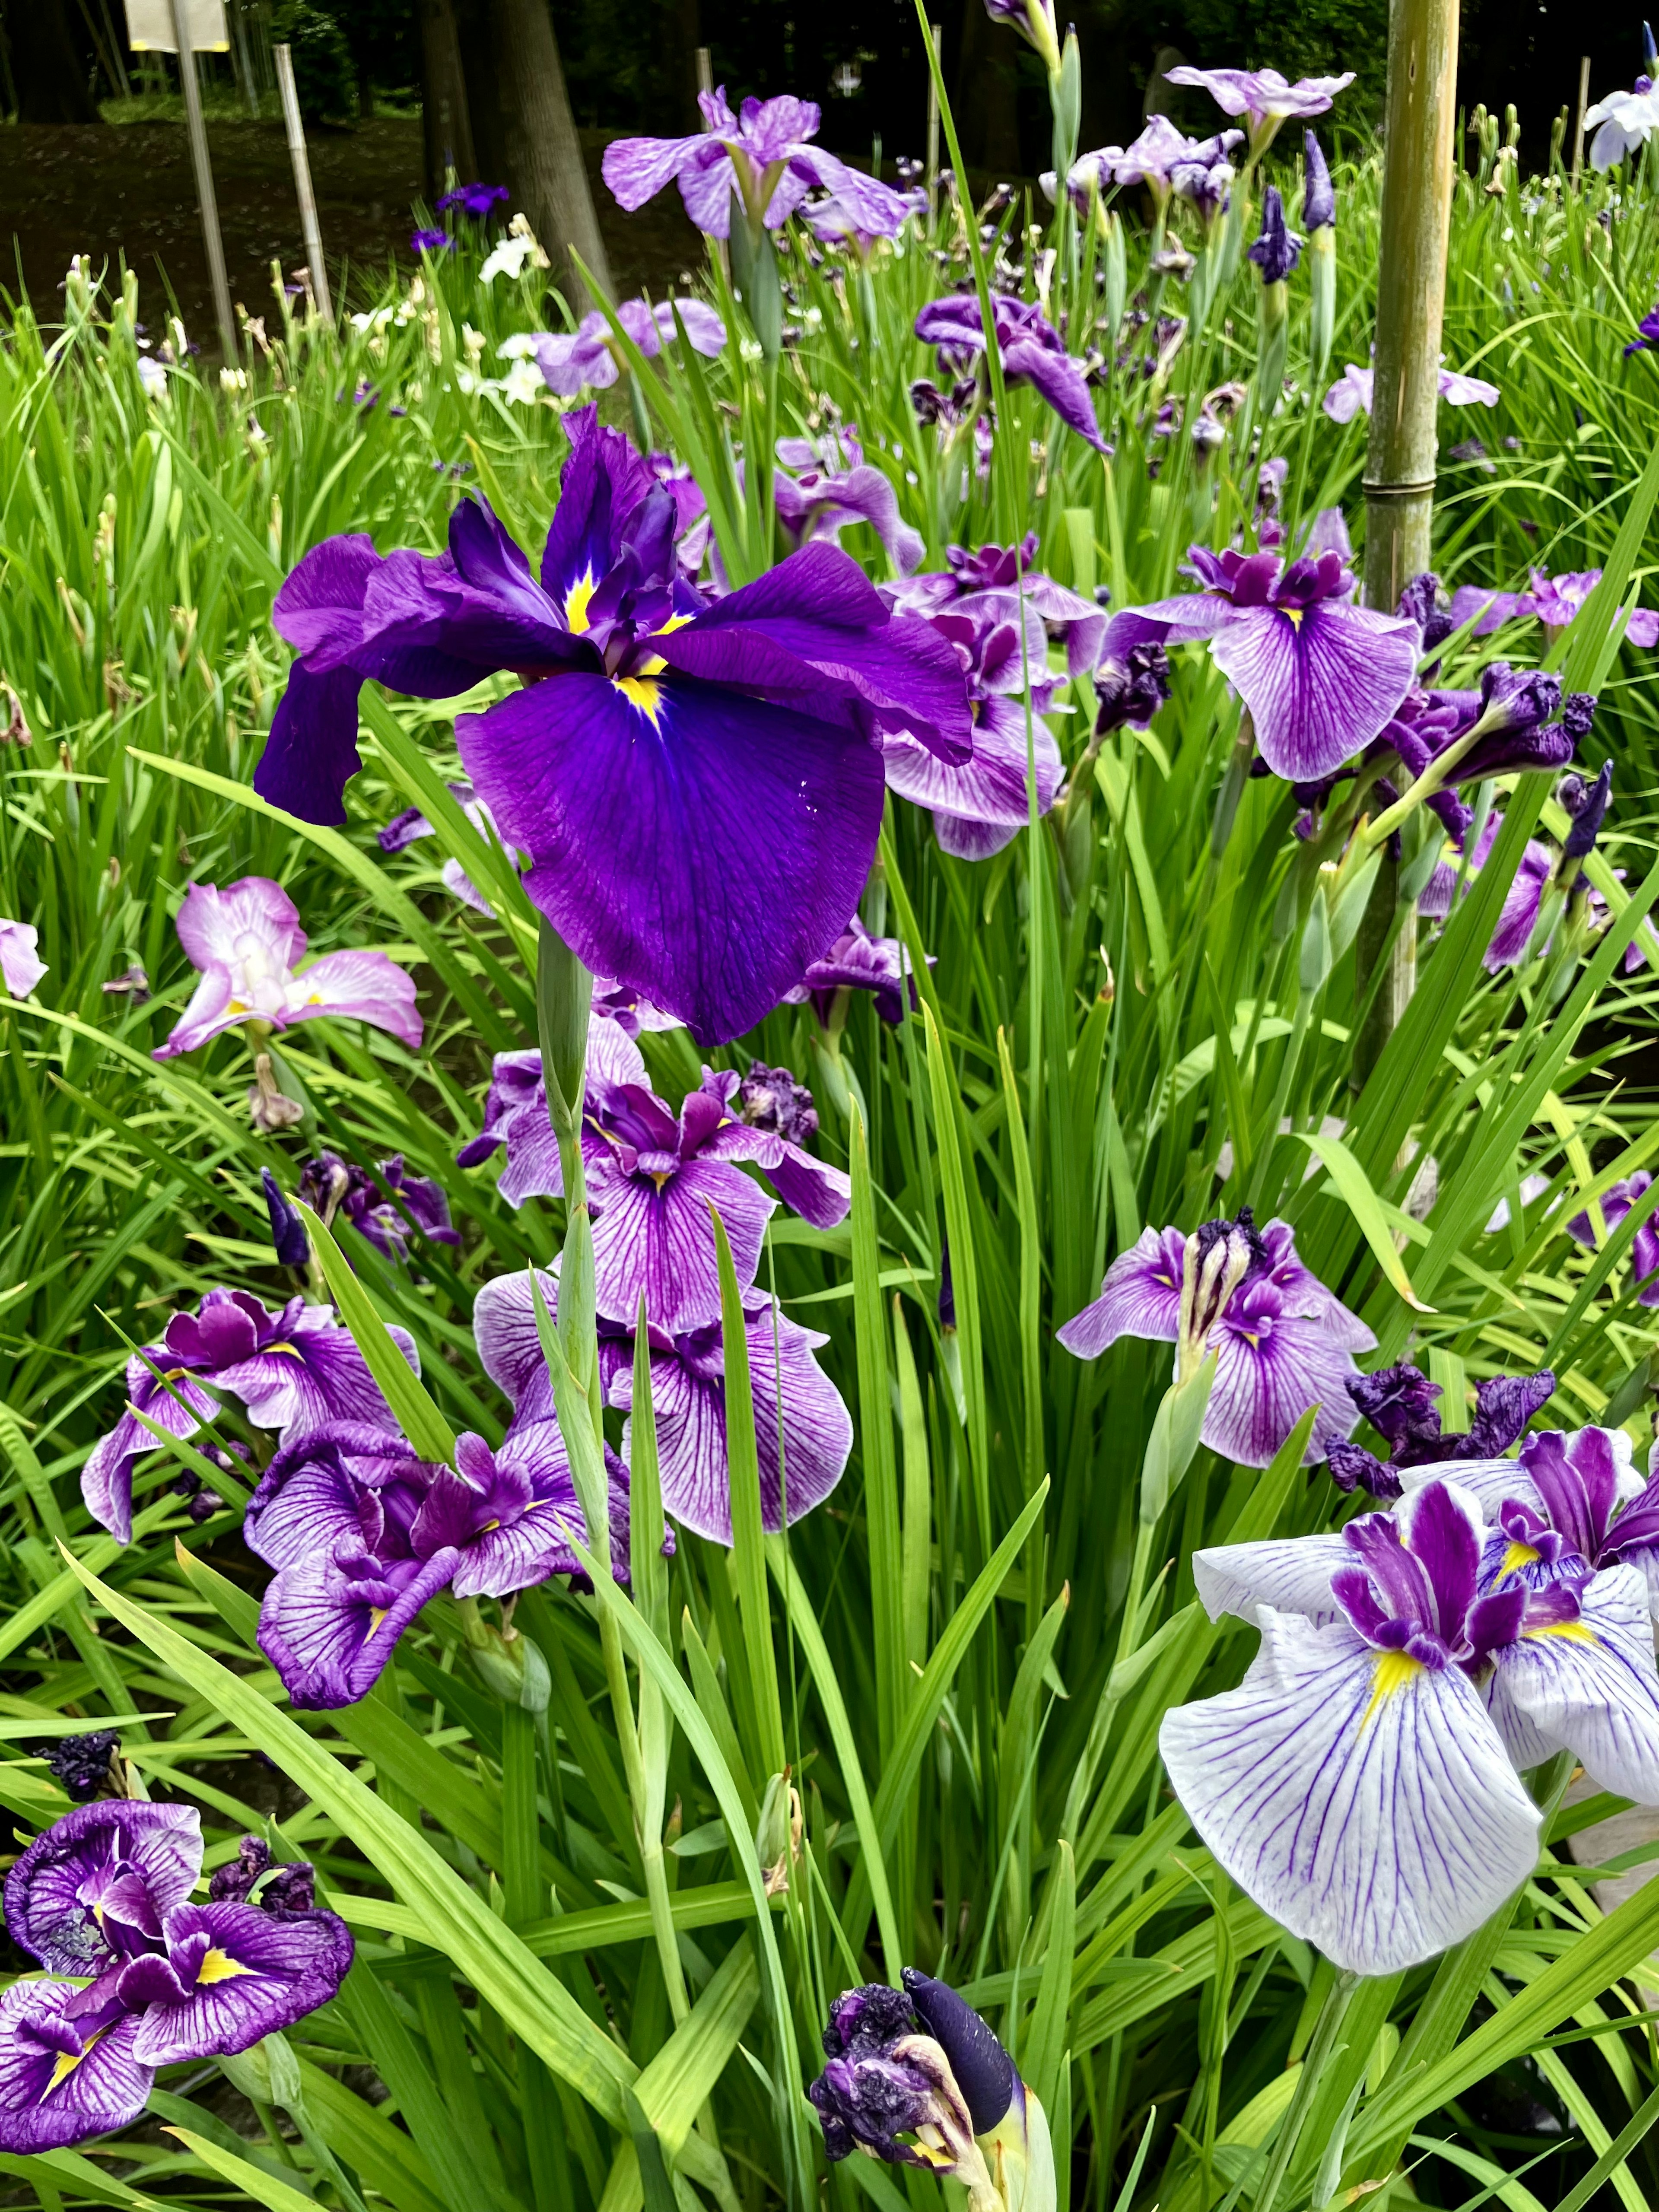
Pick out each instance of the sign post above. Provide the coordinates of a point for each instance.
(187, 27)
(296, 146)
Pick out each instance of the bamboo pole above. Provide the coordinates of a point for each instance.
(211, 240)
(936, 33)
(302, 160)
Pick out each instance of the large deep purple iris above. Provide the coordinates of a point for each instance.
(697, 785)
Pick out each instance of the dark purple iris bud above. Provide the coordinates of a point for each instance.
(1647, 333)
(1277, 249)
(1400, 1403)
(1586, 803)
(947, 1295)
(769, 1098)
(81, 1763)
(985, 2073)
(288, 1230)
(893, 2057)
(384, 1207)
(430, 241)
(1578, 714)
(475, 199)
(201, 1504)
(1318, 196)
(1131, 689)
(1518, 699)
(291, 1891)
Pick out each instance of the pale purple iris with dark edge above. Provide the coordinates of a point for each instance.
(1361, 1783)
(586, 358)
(1402, 1406)
(1284, 1342)
(803, 1431)
(293, 1369)
(916, 2062)
(105, 1894)
(833, 485)
(764, 154)
(858, 961)
(1164, 160)
(1030, 349)
(246, 940)
(1320, 677)
(1555, 601)
(515, 1106)
(652, 1177)
(362, 1534)
(698, 787)
(1263, 97)
(1614, 1205)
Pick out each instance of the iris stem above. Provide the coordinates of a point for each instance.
(1313, 2067)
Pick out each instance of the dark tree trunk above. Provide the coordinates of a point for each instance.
(984, 97)
(50, 73)
(545, 164)
(683, 35)
(446, 124)
(475, 43)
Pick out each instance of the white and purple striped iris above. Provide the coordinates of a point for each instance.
(1030, 349)
(1282, 1341)
(1361, 1783)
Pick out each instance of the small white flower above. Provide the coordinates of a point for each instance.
(523, 383)
(749, 349)
(375, 319)
(507, 258)
(521, 343)
(152, 376)
(233, 379)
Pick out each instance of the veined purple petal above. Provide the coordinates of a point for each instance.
(700, 845)
(253, 921)
(1060, 381)
(247, 1972)
(47, 2104)
(366, 986)
(311, 1375)
(1271, 1368)
(1588, 1685)
(989, 789)
(658, 1238)
(106, 1477)
(875, 208)
(1292, 1574)
(1320, 681)
(309, 1499)
(54, 1891)
(1363, 1799)
(20, 969)
(636, 169)
(1140, 1297)
(329, 1624)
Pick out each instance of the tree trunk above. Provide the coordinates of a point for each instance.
(545, 164)
(446, 124)
(51, 74)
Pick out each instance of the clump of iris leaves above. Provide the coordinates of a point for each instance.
(1110, 1027)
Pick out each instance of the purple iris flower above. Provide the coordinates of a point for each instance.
(1586, 804)
(475, 200)
(981, 807)
(1278, 249)
(362, 1534)
(1284, 1342)
(1360, 1784)
(246, 941)
(585, 359)
(294, 1369)
(833, 485)
(990, 581)
(804, 1432)
(104, 1896)
(698, 787)
(1318, 195)
(1524, 901)
(764, 154)
(385, 1206)
(858, 961)
(1647, 333)
(832, 222)
(1615, 1204)
(20, 968)
(1261, 96)
(1320, 676)
(1553, 600)
(1164, 160)
(515, 1106)
(430, 241)
(405, 828)
(1031, 350)
(651, 1179)
(1402, 1404)
(1352, 393)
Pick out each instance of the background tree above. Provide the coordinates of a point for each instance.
(52, 77)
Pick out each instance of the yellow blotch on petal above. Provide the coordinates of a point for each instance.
(576, 602)
(293, 1350)
(66, 2063)
(641, 692)
(674, 623)
(377, 1614)
(1572, 1631)
(1293, 616)
(218, 1965)
(1517, 1556)
(1394, 1671)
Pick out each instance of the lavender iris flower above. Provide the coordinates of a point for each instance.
(991, 580)
(294, 1370)
(406, 829)
(586, 358)
(1284, 1342)
(362, 1534)
(1553, 600)
(833, 485)
(246, 941)
(1320, 676)
(652, 1180)
(1647, 333)
(698, 787)
(858, 961)
(515, 1106)
(1360, 1784)
(1277, 250)
(104, 1896)
(1401, 1403)
(764, 154)
(1318, 195)
(1164, 160)
(475, 200)
(832, 222)
(288, 1230)
(1352, 393)
(804, 1432)
(385, 1206)
(1030, 349)
(1263, 97)
(1615, 1204)
(21, 969)
(1623, 123)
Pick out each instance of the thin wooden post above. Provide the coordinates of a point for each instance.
(297, 147)
(936, 33)
(1578, 121)
(211, 240)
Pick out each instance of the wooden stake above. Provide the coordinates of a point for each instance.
(296, 147)
(1578, 121)
(936, 33)
(197, 129)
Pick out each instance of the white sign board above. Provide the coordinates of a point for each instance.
(150, 28)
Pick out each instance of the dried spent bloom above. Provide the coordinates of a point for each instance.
(769, 1098)
(1402, 1404)
(81, 1763)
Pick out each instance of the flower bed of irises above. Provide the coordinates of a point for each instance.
(827, 1270)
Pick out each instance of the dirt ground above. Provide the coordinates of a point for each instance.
(107, 191)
